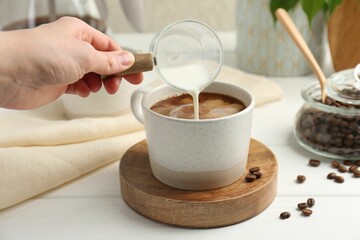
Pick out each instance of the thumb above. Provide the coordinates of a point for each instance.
(107, 63)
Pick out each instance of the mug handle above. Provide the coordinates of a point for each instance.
(135, 102)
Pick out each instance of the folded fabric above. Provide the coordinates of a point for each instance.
(51, 151)
(41, 149)
(28, 171)
(263, 89)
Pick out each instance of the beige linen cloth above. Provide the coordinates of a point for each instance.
(41, 149)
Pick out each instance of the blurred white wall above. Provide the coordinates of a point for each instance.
(218, 14)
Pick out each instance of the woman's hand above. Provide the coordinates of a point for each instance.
(67, 56)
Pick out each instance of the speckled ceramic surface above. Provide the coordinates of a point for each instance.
(196, 154)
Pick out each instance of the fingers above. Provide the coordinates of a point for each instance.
(81, 89)
(136, 78)
(112, 84)
(97, 39)
(95, 52)
(99, 53)
(91, 82)
(107, 63)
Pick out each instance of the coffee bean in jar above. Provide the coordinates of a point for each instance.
(332, 128)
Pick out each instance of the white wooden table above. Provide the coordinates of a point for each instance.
(92, 207)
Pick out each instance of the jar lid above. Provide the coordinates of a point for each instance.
(344, 86)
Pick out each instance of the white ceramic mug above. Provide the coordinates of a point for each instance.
(195, 154)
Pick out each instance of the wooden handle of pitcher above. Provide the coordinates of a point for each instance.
(143, 62)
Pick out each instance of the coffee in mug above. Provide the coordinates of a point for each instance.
(211, 105)
(196, 154)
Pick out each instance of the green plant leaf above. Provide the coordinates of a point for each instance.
(285, 4)
(332, 4)
(311, 7)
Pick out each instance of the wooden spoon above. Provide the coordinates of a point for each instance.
(292, 30)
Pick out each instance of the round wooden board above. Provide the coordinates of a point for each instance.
(197, 209)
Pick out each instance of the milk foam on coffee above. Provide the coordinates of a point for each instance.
(192, 78)
(211, 105)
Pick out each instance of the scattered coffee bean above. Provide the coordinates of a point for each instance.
(331, 175)
(310, 202)
(357, 162)
(306, 212)
(353, 168)
(301, 178)
(257, 174)
(347, 162)
(250, 177)
(356, 174)
(335, 164)
(285, 215)
(302, 206)
(254, 169)
(254, 173)
(314, 162)
(339, 179)
(342, 169)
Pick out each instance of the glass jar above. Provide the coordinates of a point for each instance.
(331, 129)
(19, 14)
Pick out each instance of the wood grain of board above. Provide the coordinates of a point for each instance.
(197, 209)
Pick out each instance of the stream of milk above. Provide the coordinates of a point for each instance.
(192, 78)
